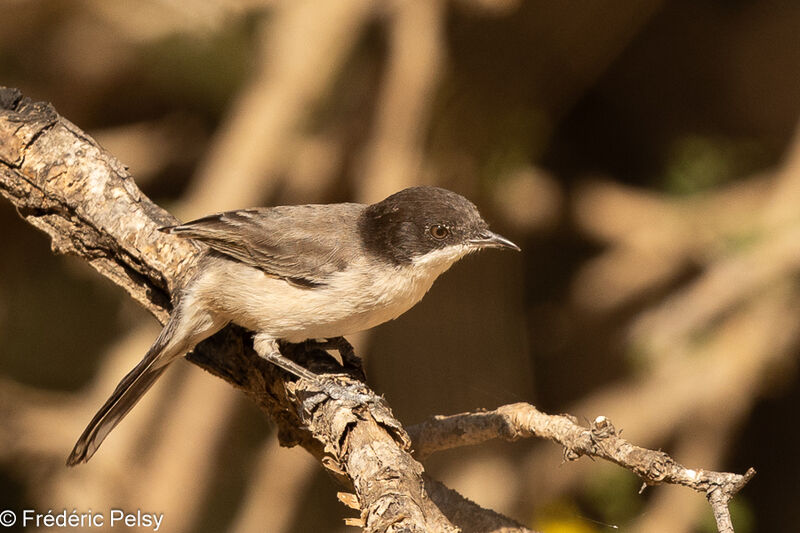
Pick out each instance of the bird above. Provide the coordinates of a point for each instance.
(302, 272)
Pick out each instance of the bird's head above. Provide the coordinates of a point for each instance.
(427, 225)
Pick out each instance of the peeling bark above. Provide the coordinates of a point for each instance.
(62, 182)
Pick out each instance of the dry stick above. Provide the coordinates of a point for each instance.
(63, 183)
(522, 420)
(736, 356)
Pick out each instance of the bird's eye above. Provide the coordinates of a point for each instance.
(439, 232)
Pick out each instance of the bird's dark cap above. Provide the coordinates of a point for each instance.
(418, 220)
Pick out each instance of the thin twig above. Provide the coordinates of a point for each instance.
(601, 440)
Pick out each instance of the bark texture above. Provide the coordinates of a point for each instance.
(62, 182)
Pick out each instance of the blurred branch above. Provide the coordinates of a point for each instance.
(685, 388)
(394, 154)
(521, 420)
(786, 193)
(302, 47)
(726, 283)
(720, 336)
(281, 476)
(63, 183)
(744, 235)
(653, 237)
(150, 147)
(298, 52)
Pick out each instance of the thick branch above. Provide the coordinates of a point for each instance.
(65, 184)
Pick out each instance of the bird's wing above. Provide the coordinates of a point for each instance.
(290, 242)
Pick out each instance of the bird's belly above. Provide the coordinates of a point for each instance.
(351, 302)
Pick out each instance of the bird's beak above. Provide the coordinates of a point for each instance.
(488, 239)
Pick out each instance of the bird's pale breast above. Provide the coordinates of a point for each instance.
(354, 299)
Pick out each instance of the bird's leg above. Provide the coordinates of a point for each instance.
(346, 352)
(267, 348)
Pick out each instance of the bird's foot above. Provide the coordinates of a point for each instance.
(350, 360)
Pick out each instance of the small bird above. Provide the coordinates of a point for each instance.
(302, 272)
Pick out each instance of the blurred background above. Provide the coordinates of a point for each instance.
(644, 154)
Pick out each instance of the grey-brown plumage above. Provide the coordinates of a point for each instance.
(261, 238)
(125, 396)
(303, 272)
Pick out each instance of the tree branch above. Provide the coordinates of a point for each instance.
(65, 184)
(62, 182)
(522, 420)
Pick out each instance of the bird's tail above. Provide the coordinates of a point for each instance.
(126, 395)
